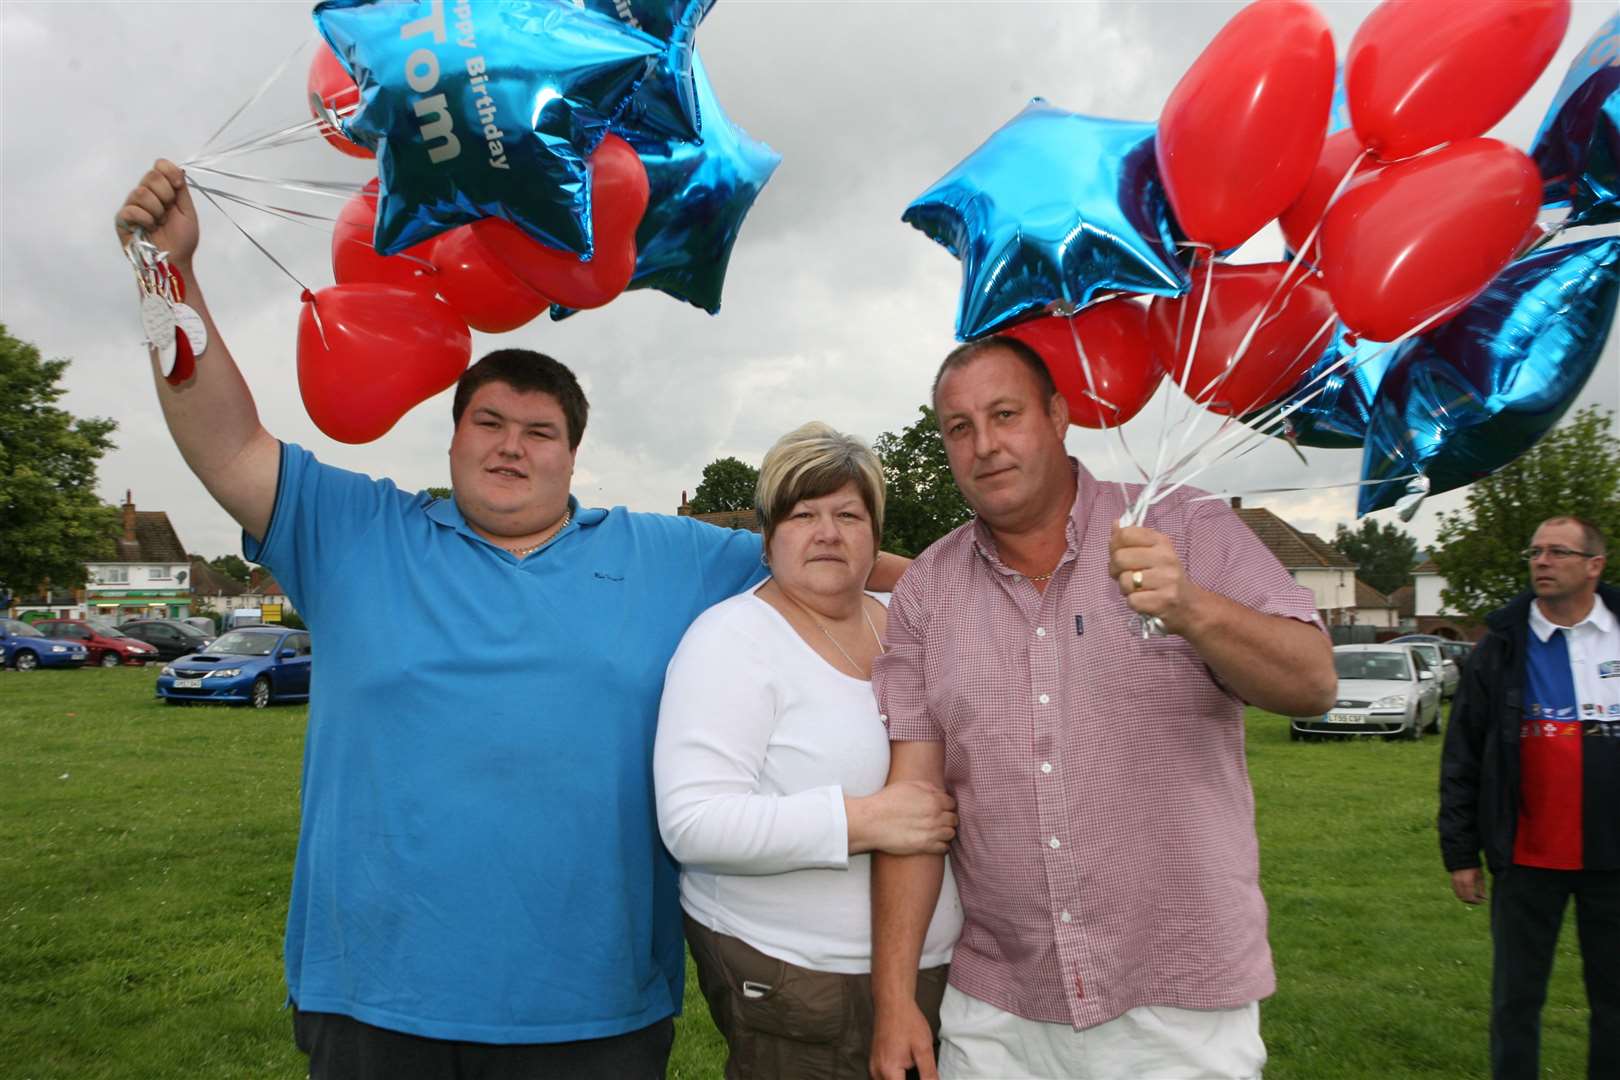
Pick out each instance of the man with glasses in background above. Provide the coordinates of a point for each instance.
(1531, 777)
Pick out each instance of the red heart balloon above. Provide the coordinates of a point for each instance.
(479, 287)
(1424, 236)
(332, 85)
(1339, 152)
(1124, 371)
(1295, 325)
(1421, 74)
(367, 354)
(1241, 131)
(618, 200)
(354, 260)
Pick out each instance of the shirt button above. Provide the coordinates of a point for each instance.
(883, 718)
(1040, 631)
(1066, 917)
(1046, 766)
(1054, 843)
(1044, 699)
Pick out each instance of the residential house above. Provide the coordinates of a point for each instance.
(747, 520)
(219, 595)
(1313, 562)
(147, 575)
(1429, 614)
(1375, 609)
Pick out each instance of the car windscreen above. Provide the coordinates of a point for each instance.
(105, 629)
(240, 643)
(17, 628)
(1371, 665)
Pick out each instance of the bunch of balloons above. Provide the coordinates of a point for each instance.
(1421, 315)
(530, 154)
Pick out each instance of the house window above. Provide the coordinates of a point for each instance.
(113, 575)
(158, 573)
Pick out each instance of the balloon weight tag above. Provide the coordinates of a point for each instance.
(1416, 491)
(191, 325)
(158, 321)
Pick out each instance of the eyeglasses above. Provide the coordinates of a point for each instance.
(1533, 553)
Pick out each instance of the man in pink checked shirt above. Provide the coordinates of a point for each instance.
(1106, 857)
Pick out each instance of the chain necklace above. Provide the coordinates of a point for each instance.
(1041, 577)
(823, 627)
(552, 535)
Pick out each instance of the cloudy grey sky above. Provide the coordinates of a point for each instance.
(833, 309)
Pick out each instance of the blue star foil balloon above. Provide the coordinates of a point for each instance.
(668, 103)
(1578, 146)
(483, 110)
(699, 195)
(1460, 402)
(1340, 387)
(1054, 207)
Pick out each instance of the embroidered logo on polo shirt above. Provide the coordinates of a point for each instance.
(1609, 669)
(1079, 625)
(607, 577)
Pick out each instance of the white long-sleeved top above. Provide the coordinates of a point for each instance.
(759, 740)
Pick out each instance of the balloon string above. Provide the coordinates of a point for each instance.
(1138, 512)
(1091, 384)
(1244, 435)
(286, 213)
(1229, 492)
(291, 135)
(265, 252)
(330, 189)
(275, 76)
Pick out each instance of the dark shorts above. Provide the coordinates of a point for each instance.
(785, 1022)
(343, 1048)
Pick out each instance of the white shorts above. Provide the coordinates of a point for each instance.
(1153, 1042)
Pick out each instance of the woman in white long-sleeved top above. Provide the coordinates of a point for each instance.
(770, 767)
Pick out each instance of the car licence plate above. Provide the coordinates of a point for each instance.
(1345, 718)
(188, 684)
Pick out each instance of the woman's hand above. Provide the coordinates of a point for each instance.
(909, 817)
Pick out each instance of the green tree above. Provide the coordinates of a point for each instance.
(1383, 555)
(727, 484)
(438, 492)
(1574, 469)
(923, 503)
(51, 522)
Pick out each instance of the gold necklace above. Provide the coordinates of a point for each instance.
(532, 548)
(823, 627)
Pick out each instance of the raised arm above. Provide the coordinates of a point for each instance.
(211, 415)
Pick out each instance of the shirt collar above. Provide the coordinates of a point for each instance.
(445, 512)
(1600, 618)
(1085, 498)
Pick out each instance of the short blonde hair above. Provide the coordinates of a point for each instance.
(812, 461)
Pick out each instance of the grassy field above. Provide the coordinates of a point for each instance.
(145, 854)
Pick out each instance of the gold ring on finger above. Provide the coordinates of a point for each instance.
(1136, 581)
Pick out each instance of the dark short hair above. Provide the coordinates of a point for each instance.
(528, 372)
(1591, 536)
(963, 355)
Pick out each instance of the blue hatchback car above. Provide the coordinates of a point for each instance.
(25, 648)
(254, 665)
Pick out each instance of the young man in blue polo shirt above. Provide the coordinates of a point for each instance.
(1531, 777)
(479, 888)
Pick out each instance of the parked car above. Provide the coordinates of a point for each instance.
(24, 648)
(170, 637)
(1450, 670)
(250, 666)
(1388, 690)
(108, 645)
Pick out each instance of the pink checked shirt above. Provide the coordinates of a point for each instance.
(1106, 857)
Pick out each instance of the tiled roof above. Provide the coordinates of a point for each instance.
(155, 541)
(1427, 566)
(1405, 601)
(1296, 550)
(261, 582)
(206, 581)
(1369, 597)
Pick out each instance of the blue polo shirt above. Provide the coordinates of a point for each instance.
(478, 856)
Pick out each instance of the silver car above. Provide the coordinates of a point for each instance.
(1435, 652)
(1387, 690)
